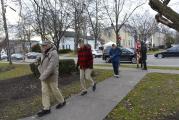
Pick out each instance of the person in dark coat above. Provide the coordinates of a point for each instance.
(115, 53)
(143, 56)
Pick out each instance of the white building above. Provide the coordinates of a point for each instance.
(67, 41)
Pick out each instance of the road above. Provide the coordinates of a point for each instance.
(151, 61)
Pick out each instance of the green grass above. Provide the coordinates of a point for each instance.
(134, 66)
(154, 98)
(154, 52)
(17, 71)
(72, 54)
(20, 109)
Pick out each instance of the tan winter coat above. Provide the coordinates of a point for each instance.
(49, 64)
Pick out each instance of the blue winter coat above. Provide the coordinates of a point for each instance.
(115, 54)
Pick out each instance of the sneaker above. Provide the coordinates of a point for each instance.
(94, 87)
(43, 112)
(84, 93)
(117, 76)
(60, 105)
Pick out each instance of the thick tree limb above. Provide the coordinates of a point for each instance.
(166, 15)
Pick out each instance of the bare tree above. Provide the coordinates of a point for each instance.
(95, 15)
(6, 30)
(166, 15)
(78, 21)
(144, 24)
(52, 19)
(117, 15)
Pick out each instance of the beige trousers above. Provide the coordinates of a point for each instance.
(85, 74)
(49, 87)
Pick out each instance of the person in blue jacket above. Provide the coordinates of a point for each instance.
(115, 53)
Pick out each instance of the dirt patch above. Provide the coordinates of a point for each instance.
(22, 88)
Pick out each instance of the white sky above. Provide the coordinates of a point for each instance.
(12, 16)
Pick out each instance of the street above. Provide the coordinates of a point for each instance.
(151, 61)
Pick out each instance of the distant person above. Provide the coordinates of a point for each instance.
(115, 53)
(138, 52)
(85, 61)
(48, 69)
(143, 56)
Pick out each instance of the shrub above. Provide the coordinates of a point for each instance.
(36, 48)
(64, 51)
(161, 46)
(34, 69)
(66, 66)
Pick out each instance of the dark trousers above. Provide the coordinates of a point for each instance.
(115, 67)
(144, 64)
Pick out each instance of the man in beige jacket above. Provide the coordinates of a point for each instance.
(48, 69)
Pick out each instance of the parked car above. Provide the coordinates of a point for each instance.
(17, 56)
(3, 56)
(33, 55)
(127, 55)
(97, 53)
(171, 52)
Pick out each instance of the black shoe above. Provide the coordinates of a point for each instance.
(84, 93)
(60, 105)
(94, 87)
(144, 69)
(43, 112)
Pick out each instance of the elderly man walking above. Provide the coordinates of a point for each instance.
(48, 69)
(85, 61)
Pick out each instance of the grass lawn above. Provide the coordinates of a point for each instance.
(28, 107)
(153, 52)
(72, 54)
(156, 97)
(134, 66)
(16, 71)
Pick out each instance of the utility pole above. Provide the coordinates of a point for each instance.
(6, 30)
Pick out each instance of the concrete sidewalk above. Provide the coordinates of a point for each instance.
(96, 105)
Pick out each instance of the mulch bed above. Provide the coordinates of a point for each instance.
(173, 116)
(25, 87)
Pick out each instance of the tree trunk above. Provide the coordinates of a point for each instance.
(6, 31)
(166, 15)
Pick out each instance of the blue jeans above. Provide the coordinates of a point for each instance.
(115, 67)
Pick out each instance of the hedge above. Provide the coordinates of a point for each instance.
(66, 66)
(63, 51)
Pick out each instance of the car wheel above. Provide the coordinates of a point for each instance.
(133, 60)
(160, 56)
(107, 60)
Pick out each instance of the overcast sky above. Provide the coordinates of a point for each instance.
(13, 17)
